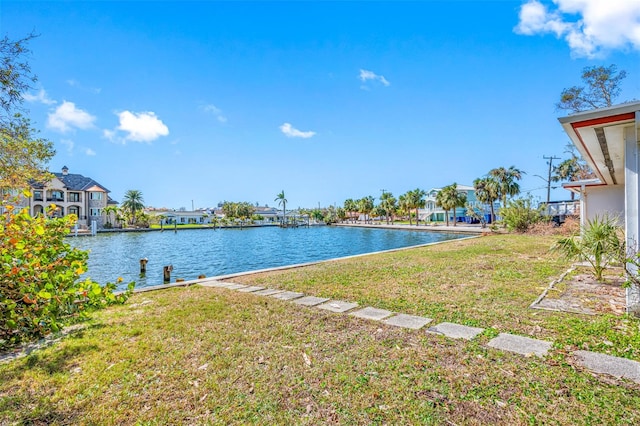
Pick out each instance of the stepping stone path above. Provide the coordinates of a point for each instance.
(310, 300)
(372, 313)
(456, 331)
(520, 345)
(268, 292)
(337, 306)
(287, 295)
(408, 321)
(250, 289)
(527, 346)
(613, 365)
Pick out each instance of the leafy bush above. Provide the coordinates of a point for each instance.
(600, 242)
(519, 216)
(40, 290)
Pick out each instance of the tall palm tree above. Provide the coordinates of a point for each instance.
(404, 203)
(487, 192)
(506, 179)
(350, 206)
(282, 201)
(133, 202)
(417, 201)
(449, 198)
(388, 203)
(365, 206)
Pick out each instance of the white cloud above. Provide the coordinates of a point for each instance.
(217, 112)
(41, 97)
(76, 83)
(67, 116)
(139, 127)
(68, 143)
(89, 152)
(292, 132)
(370, 75)
(590, 27)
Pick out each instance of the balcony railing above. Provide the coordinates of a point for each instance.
(59, 199)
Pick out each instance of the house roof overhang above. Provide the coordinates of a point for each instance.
(599, 137)
(578, 186)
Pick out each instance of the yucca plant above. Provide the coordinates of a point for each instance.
(599, 243)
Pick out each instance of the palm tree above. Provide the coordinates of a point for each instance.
(449, 198)
(568, 170)
(405, 205)
(108, 212)
(487, 192)
(350, 206)
(506, 179)
(417, 201)
(282, 201)
(388, 203)
(133, 203)
(365, 206)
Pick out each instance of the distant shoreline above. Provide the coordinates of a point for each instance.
(466, 229)
(463, 229)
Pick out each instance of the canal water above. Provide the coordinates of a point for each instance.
(193, 252)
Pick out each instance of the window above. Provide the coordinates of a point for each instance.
(95, 195)
(94, 212)
(74, 210)
(74, 197)
(55, 195)
(37, 196)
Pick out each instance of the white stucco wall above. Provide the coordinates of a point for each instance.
(601, 200)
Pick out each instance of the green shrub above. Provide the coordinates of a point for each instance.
(519, 216)
(40, 290)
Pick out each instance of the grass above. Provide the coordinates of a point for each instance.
(492, 284)
(212, 356)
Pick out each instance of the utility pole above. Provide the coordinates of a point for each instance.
(550, 162)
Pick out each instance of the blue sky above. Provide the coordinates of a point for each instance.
(193, 103)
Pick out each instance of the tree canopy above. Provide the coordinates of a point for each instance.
(23, 158)
(601, 88)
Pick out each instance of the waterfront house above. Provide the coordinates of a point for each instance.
(609, 140)
(69, 193)
(433, 213)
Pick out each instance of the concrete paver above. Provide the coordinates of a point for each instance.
(455, 331)
(287, 295)
(233, 286)
(310, 300)
(520, 344)
(607, 364)
(408, 321)
(250, 289)
(338, 306)
(372, 313)
(220, 284)
(268, 292)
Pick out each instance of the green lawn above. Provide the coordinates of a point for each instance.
(214, 356)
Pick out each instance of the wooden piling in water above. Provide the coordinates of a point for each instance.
(166, 272)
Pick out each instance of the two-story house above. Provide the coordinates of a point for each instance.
(433, 212)
(70, 193)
